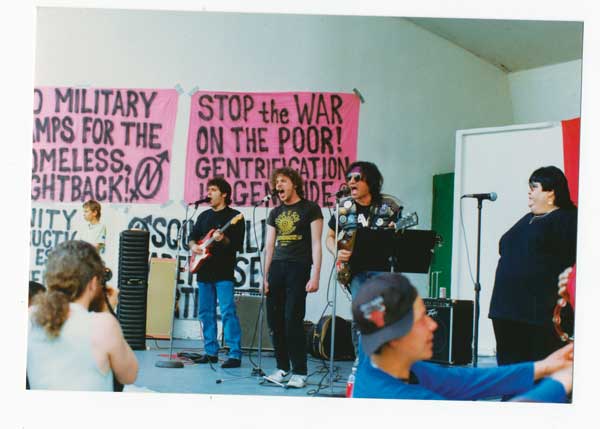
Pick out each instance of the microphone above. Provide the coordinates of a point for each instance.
(491, 196)
(202, 201)
(269, 196)
(344, 191)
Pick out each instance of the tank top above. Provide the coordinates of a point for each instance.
(65, 362)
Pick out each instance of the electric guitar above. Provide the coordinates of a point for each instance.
(346, 242)
(198, 259)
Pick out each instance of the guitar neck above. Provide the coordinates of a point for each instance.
(227, 225)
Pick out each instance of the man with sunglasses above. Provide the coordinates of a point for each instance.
(365, 208)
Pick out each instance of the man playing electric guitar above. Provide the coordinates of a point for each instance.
(215, 273)
(366, 207)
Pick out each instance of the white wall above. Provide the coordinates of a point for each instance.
(551, 93)
(419, 88)
(481, 159)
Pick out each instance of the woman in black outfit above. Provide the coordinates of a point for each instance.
(532, 255)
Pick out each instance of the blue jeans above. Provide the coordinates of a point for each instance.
(208, 293)
(355, 285)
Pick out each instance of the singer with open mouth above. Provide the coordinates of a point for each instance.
(216, 237)
(293, 244)
(532, 255)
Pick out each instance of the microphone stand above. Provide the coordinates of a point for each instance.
(477, 284)
(333, 310)
(175, 363)
(256, 370)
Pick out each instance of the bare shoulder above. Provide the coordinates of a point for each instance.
(105, 326)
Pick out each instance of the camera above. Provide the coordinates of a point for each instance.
(106, 276)
(102, 303)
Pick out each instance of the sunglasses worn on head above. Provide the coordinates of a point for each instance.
(356, 176)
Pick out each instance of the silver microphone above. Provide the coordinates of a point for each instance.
(492, 196)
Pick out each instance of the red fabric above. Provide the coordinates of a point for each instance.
(571, 288)
(570, 130)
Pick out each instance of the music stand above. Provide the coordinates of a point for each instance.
(409, 251)
(414, 250)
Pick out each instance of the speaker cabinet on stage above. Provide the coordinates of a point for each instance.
(452, 341)
(247, 307)
(161, 297)
(133, 286)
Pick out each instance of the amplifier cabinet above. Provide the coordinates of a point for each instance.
(160, 298)
(248, 307)
(453, 338)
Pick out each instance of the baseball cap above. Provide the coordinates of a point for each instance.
(383, 309)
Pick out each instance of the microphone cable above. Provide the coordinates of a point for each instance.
(462, 224)
(259, 250)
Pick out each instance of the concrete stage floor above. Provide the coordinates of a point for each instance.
(203, 378)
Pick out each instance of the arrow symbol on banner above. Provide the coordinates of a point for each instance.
(149, 174)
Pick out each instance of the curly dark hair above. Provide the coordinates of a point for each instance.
(293, 175)
(223, 185)
(372, 176)
(553, 179)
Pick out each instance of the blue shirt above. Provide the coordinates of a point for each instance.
(457, 383)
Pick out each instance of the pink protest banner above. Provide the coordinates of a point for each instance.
(245, 136)
(110, 145)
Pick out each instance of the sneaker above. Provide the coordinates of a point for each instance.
(297, 380)
(278, 376)
(207, 359)
(231, 363)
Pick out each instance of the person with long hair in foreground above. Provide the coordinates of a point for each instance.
(70, 347)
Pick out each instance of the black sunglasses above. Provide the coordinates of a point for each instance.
(356, 176)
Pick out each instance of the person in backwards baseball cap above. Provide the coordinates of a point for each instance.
(397, 336)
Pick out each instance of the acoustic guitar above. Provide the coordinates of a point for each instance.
(198, 259)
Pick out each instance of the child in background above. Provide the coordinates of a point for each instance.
(95, 232)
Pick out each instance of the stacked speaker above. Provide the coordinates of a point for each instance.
(133, 286)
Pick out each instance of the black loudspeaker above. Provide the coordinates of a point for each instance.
(247, 307)
(452, 341)
(133, 286)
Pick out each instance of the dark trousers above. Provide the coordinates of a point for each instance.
(522, 342)
(286, 306)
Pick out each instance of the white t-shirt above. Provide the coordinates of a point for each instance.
(94, 234)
